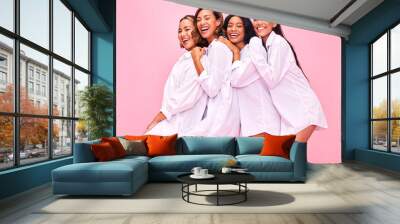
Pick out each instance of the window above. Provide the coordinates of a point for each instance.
(7, 14)
(385, 91)
(47, 76)
(3, 61)
(6, 73)
(44, 91)
(3, 78)
(30, 87)
(35, 22)
(37, 90)
(38, 74)
(81, 45)
(62, 29)
(30, 72)
(62, 74)
(3, 72)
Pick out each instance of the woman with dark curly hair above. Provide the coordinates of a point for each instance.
(257, 112)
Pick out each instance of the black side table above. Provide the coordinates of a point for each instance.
(238, 179)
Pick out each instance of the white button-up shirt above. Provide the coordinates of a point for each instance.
(257, 112)
(222, 115)
(290, 90)
(184, 100)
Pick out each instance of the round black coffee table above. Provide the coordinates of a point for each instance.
(238, 179)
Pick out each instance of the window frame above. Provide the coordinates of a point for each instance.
(388, 74)
(16, 115)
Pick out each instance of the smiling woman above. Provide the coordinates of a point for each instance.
(184, 101)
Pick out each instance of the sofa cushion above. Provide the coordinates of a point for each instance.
(257, 163)
(111, 171)
(185, 163)
(249, 145)
(193, 145)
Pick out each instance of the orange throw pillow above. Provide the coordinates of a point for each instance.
(135, 138)
(277, 145)
(103, 152)
(116, 145)
(161, 145)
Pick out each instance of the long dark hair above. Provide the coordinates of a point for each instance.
(248, 27)
(200, 42)
(218, 16)
(278, 30)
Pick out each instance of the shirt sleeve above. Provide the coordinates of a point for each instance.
(184, 97)
(220, 65)
(168, 92)
(272, 67)
(243, 73)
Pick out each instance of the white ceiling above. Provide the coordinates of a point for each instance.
(326, 16)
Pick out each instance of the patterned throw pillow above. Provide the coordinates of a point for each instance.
(134, 147)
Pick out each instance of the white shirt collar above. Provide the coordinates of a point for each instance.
(271, 38)
(187, 54)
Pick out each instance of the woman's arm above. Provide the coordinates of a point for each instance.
(273, 67)
(157, 119)
(196, 53)
(220, 67)
(244, 73)
(243, 70)
(235, 50)
(185, 97)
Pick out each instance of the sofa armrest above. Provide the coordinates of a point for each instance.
(298, 155)
(83, 152)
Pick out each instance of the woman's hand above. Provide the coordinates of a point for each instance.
(235, 50)
(228, 43)
(157, 119)
(197, 52)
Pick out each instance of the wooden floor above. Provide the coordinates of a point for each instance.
(377, 188)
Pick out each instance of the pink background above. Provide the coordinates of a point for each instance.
(147, 48)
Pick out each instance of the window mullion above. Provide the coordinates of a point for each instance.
(389, 104)
(73, 83)
(16, 84)
(50, 79)
(371, 140)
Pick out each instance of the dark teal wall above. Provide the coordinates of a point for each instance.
(99, 15)
(24, 178)
(103, 62)
(356, 84)
(103, 52)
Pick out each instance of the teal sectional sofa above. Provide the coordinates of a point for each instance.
(125, 176)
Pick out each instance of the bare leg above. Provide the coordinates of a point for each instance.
(305, 134)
